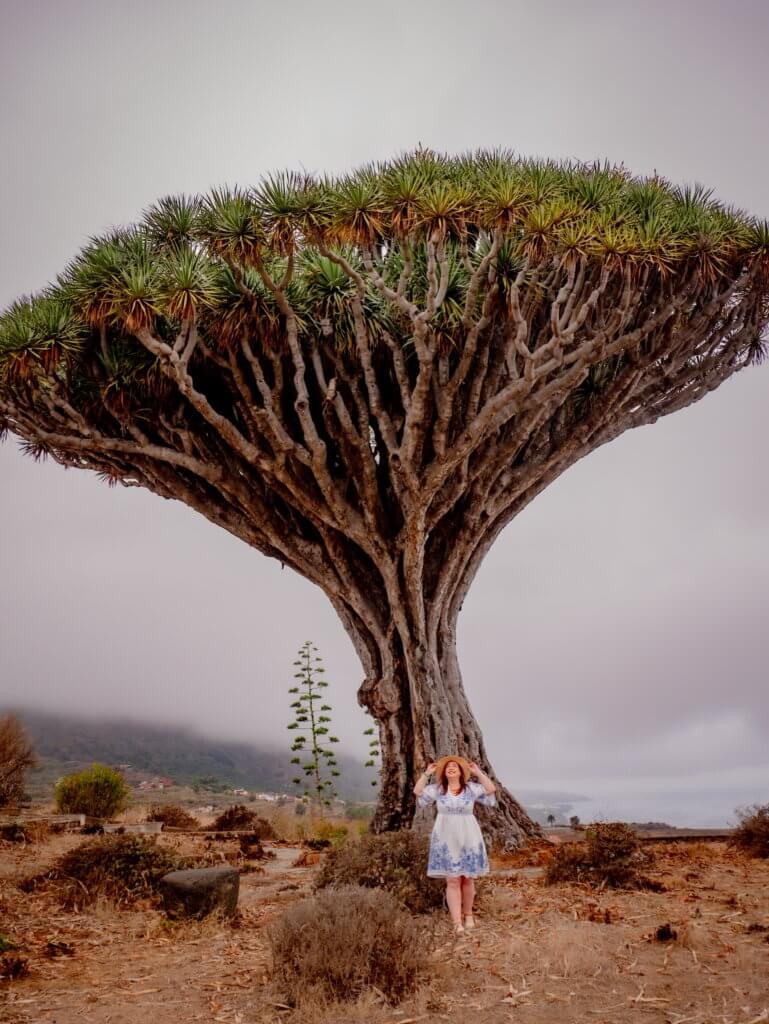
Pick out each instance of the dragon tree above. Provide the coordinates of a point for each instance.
(368, 377)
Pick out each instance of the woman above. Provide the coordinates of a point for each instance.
(457, 850)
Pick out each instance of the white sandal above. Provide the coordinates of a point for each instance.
(459, 929)
(469, 922)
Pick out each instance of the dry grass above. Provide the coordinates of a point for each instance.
(395, 862)
(343, 942)
(540, 953)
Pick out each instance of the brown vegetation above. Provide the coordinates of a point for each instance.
(752, 834)
(16, 758)
(611, 855)
(172, 816)
(394, 861)
(24, 831)
(118, 868)
(540, 953)
(240, 817)
(344, 941)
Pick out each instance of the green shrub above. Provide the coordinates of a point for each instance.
(394, 861)
(342, 942)
(119, 868)
(172, 816)
(611, 855)
(333, 833)
(98, 791)
(752, 834)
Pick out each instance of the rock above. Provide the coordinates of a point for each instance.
(200, 891)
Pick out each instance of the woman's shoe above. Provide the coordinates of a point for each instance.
(469, 923)
(459, 929)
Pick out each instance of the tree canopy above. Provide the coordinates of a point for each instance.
(369, 376)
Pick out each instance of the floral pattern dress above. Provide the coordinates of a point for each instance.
(456, 843)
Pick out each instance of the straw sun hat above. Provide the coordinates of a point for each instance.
(464, 766)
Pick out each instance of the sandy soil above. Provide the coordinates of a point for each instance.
(538, 955)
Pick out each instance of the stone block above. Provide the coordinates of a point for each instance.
(200, 891)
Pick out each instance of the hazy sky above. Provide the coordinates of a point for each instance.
(615, 641)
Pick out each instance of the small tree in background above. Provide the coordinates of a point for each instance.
(311, 723)
(98, 791)
(551, 820)
(16, 757)
(374, 753)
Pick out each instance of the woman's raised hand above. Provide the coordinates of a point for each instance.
(475, 769)
(431, 768)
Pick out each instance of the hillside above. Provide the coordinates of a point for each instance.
(66, 743)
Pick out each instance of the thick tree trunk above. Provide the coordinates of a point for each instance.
(418, 700)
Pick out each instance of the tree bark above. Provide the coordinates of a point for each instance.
(414, 691)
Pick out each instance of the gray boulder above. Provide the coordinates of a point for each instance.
(200, 891)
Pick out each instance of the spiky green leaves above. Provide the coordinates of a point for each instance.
(174, 221)
(36, 335)
(231, 225)
(207, 258)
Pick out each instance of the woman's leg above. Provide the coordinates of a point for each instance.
(468, 895)
(454, 898)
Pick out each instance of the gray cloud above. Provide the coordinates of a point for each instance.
(614, 642)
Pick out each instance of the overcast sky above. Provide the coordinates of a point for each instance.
(615, 641)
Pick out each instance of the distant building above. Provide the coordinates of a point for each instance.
(155, 784)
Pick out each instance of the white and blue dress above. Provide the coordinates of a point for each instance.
(456, 843)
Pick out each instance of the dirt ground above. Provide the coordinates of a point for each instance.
(539, 954)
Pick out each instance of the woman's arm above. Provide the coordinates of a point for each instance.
(424, 778)
(485, 781)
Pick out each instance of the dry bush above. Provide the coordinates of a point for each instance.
(611, 855)
(16, 758)
(239, 817)
(13, 967)
(118, 868)
(25, 831)
(752, 834)
(345, 941)
(395, 861)
(533, 853)
(98, 791)
(172, 816)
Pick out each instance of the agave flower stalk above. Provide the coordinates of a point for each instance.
(311, 724)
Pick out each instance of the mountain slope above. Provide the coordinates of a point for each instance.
(65, 743)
